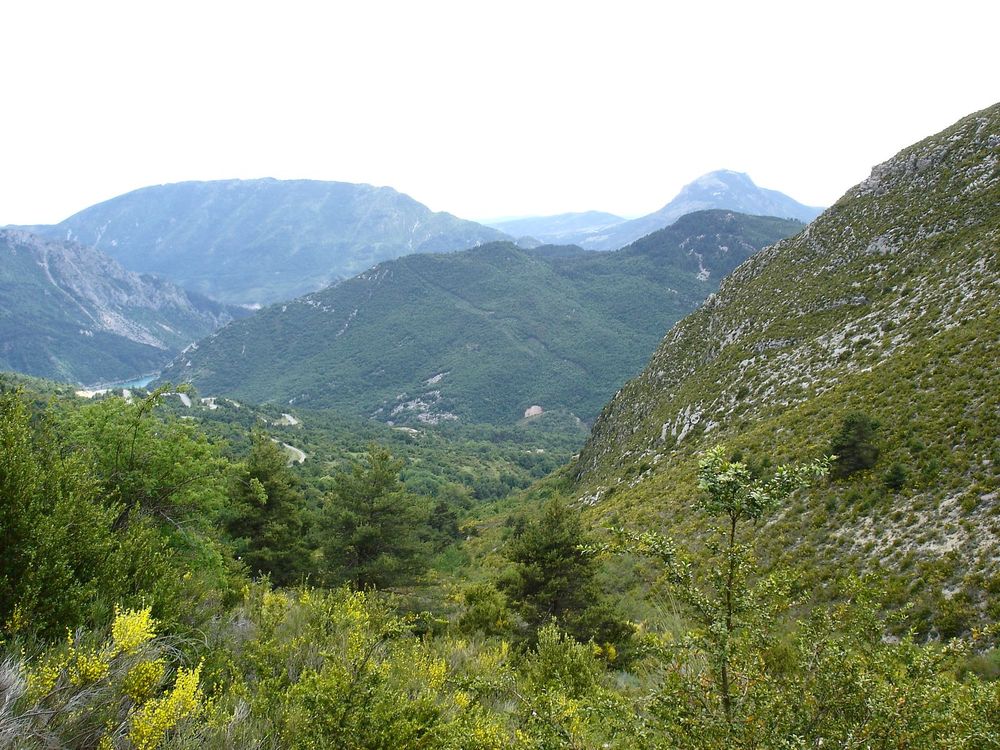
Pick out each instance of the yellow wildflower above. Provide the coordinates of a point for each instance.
(87, 668)
(132, 628)
(437, 671)
(17, 620)
(42, 679)
(142, 680)
(151, 723)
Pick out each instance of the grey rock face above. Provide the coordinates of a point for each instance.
(70, 312)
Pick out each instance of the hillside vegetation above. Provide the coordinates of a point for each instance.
(872, 334)
(129, 620)
(781, 535)
(478, 462)
(480, 335)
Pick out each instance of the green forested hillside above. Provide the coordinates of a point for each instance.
(872, 334)
(258, 241)
(479, 462)
(480, 335)
(72, 313)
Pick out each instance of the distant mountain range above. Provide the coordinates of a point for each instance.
(883, 313)
(561, 229)
(255, 242)
(594, 230)
(479, 335)
(260, 241)
(71, 313)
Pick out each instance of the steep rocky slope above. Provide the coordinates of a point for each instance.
(259, 241)
(72, 313)
(479, 335)
(887, 305)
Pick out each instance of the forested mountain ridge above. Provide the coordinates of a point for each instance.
(479, 335)
(72, 313)
(260, 241)
(874, 334)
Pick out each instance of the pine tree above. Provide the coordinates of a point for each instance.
(553, 577)
(855, 446)
(372, 527)
(269, 525)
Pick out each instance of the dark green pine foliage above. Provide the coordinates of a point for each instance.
(443, 522)
(269, 523)
(450, 502)
(553, 578)
(372, 528)
(856, 446)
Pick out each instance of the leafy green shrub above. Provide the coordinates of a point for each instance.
(895, 478)
(954, 615)
(486, 612)
(104, 504)
(969, 502)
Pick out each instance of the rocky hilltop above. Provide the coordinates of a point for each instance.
(884, 305)
(722, 189)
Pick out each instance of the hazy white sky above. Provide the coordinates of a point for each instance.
(480, 109)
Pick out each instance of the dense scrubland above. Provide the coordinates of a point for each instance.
(164, 588)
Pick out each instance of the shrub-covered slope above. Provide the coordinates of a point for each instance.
(479, 335)
(72, 313)
(885, 306)
(259, 241)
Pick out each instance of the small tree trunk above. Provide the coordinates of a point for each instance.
(727, 700)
